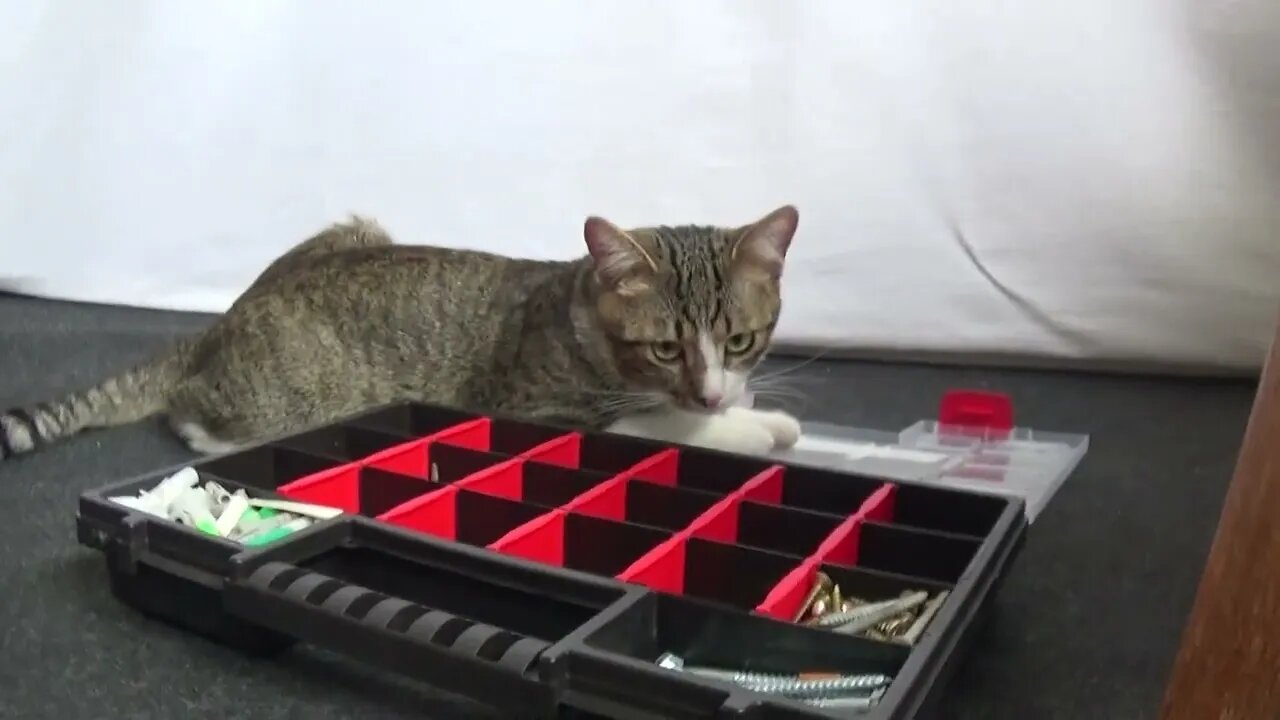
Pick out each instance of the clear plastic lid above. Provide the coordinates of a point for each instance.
(1015, 461)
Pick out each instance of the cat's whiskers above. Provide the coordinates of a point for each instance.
(779, 389)
(790, 369)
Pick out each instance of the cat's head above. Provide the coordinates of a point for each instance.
(689, 311)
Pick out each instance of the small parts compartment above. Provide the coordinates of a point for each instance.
(266, 467)
(766, 527)
(609, 454)
(467, 517)
(645, 503)
(582, 542)
(463, 620)
(703, 470)
(535, 483)
(367, 491)
(732, 575)
(626, 662)
(857, 602)
(343, 442)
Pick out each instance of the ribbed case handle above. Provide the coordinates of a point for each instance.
(486, 662)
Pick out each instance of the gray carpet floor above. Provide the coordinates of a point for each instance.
(1085, 626)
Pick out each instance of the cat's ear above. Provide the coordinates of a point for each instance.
(762, 245)
(621, 261)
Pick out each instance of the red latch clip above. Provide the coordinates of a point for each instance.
(976, 412)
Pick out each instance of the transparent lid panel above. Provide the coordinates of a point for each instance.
(1021, 462)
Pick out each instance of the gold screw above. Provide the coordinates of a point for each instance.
(821, 584)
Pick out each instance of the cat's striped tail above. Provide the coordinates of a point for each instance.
(133, 395)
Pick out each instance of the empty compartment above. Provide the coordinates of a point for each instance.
(470, 586)
(435, 460)
(920, 553)
(343, 442)
(463, 516)
(729, 574)
(706, 635)
(266, 467)
(581, 542)
(769, 527)
(932, 508)
(601, 452)
(413, 420)
(505, 437)
(822, 491)
(705, 470)
(645, 503)
(362, 490)
(535, 483)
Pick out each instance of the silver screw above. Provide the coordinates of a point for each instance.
(832, 619)
(914, 632)
(790, 685)
(868, 616)
(851, 702)
(843, 685)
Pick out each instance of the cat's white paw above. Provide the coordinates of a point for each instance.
(783, 429)
(740, 435)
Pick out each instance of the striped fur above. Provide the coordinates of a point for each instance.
(347, 320)
(131, 396)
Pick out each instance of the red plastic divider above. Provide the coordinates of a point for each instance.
(661, 568)
(503, 480)
(336, 487)
(433, 514)
(540, 540)
(411, 458)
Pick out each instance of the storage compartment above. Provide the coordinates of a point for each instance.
(703, 634)
(730, 574)
(435, 460)
(581, 542)
(504, 437)
(855, 585)
(972, 514)
(343, 442)
(365, 491)
(768, 527)
(535, 483)
(413, 420)
(901, 550)
(266, 467)
(467, 517)
(645, 503)
(818, 490)
(622, 668)
(601, 452)
(704, 470)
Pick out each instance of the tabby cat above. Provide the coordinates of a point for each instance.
(652, 333)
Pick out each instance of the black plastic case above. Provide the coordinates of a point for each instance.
(543, 571)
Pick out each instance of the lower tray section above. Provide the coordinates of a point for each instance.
(618, 663)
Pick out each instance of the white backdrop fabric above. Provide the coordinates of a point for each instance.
(1111, 162)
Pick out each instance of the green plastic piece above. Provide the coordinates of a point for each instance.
(269, 536)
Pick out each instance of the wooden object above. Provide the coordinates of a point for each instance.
(1229, 664)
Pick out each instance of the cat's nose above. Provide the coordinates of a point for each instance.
(712, 400)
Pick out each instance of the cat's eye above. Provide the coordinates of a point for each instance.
(739, 343)
(665, 351)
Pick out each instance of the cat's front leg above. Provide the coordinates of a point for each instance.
(738, 430)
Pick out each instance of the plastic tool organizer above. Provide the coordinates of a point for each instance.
(543, 571)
